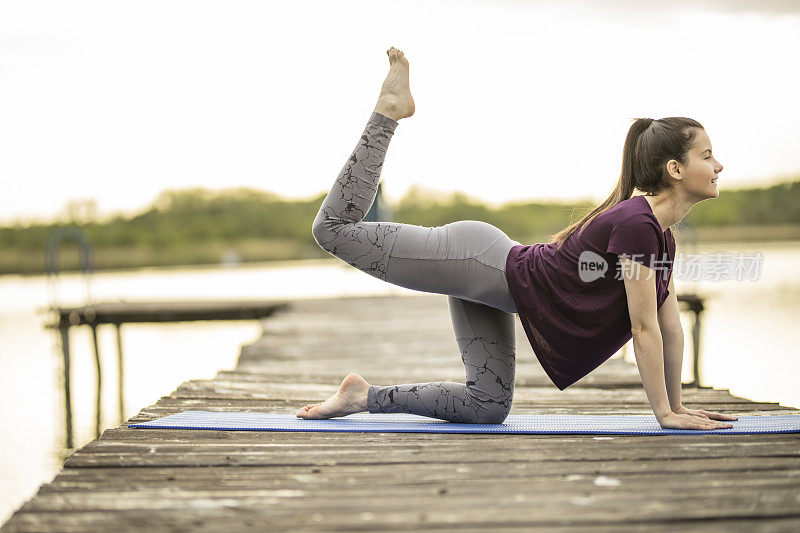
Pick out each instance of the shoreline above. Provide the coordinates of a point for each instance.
(303, 252)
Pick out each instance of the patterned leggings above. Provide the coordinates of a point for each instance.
(464, 260)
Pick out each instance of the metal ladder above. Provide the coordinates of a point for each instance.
(52, 263)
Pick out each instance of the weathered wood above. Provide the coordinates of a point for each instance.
(186, 480)
(170, 311)
(118, 313)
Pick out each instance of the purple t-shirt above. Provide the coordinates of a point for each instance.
(572, 302)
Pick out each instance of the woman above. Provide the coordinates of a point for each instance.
(580, 298)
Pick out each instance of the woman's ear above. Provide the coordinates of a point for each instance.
(675, 169)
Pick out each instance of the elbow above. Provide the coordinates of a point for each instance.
(644, 327)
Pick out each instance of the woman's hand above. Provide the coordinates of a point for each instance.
(688, 421)
(704, 414)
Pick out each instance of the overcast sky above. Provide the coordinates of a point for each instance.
(515, 100)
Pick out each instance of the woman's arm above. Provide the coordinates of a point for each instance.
(669, 322)
(640, 290)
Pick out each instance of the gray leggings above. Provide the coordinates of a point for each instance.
(464, 260)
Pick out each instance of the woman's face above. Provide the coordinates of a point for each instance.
(702, 169)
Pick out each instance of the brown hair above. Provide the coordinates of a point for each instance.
(650, 144)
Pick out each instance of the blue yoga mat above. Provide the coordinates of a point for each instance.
(408, 423)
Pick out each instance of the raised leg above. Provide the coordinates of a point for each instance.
(465, 259)
(337, 227)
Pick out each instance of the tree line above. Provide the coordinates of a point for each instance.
(196, 219)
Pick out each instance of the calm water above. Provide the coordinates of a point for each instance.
(749, 344)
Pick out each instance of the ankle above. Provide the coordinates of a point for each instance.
(387, 106)
(363, 402)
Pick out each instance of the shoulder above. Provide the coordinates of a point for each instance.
(636, 234)
(627, 211)
(639, 222)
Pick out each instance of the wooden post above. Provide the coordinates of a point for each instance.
(696, 346)
(694, 303)
(64, 329)
(98, 404)
(120, 377)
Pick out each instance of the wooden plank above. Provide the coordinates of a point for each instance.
(225, 517)
(675, 467)
(287, 509)
(168, 311)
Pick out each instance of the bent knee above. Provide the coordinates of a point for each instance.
(492, 412)
(318, 231)
(324, 230)
(493, 416)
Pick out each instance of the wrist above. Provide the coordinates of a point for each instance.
(662, 413)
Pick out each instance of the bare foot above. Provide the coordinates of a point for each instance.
(395, 100)
(350, 398)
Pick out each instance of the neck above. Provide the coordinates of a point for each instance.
(669, 209)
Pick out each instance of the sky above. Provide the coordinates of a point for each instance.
(515, 100)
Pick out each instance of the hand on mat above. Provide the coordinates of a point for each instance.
(702, 413)
(684, 421)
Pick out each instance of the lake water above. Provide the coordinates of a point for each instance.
(749, 342)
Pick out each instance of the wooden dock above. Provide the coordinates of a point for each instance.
(119, 313)
(176, 480)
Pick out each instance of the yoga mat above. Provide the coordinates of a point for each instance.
(408, 423)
